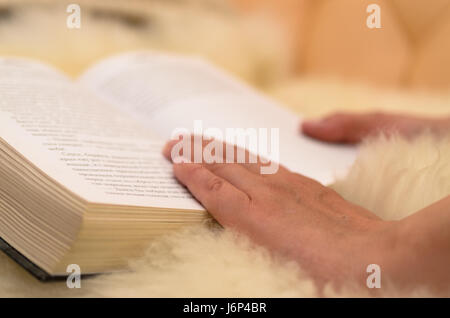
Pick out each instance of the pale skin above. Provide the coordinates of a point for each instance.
(332, 239)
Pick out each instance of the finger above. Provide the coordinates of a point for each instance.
(170, 150)
(243, 176)
(227, 204)
(236, 174)
(347, 128)
(228, 154)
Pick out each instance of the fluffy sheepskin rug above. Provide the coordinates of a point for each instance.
(391, 177)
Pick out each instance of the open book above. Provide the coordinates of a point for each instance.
(82, 178)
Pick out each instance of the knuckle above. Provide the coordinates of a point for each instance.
(325, 194)
(215, 184)
(272, 186)
(250, 207)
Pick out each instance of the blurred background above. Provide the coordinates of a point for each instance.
(314, 56)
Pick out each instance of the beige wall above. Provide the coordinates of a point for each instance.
(330, 37)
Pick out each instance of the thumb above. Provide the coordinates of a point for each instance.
(330, 129)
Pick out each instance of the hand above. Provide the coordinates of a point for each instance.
(291, 215)
(352, 128)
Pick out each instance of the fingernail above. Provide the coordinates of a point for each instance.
(310, 124)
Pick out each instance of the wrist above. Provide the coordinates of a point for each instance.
(384, 247)
(408, 258)
(372, 244)
(380, 245)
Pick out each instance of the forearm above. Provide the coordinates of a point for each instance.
(420, 252)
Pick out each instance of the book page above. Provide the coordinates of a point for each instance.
(168, 92)
(85, 144)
